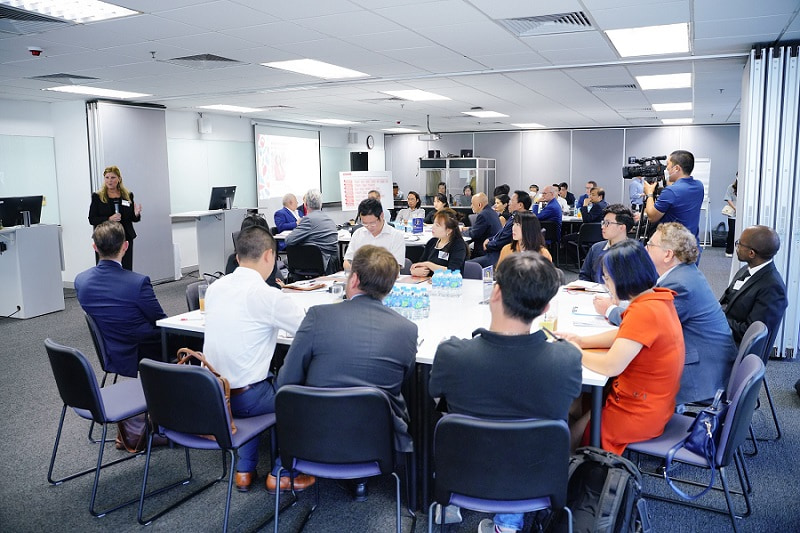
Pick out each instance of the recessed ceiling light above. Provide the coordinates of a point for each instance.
(665, 81)
(484, 114)
(651, 40)
(677, 106)
(401, 130)
(95, 91)
(676, 121)
(335, 121)
(416, 95)
(312, 67)
(232, 108)
(80, 11)
(528, 125)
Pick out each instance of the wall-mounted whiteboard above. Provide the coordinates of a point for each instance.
(28, 168)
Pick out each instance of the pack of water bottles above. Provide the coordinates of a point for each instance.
(411, 302)
(447, 283)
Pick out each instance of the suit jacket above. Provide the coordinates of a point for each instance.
(552, 211)
(710, 350)
(486, 225)
(284, 219)
(99, 212)
(318, 229)
(355, 343)
(495, 244)
(595, 214)
(762, 297)
(126, 309)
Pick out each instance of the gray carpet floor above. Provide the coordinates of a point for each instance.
(30, 407)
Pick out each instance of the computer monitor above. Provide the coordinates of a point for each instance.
(466, 152)
(11, 209)
(221, 197)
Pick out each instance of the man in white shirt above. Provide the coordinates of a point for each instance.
(243, 316)
(377, 232)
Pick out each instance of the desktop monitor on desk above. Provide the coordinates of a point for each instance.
(12, 208)
(221, 197)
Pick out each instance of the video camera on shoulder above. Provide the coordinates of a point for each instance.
(650, 168)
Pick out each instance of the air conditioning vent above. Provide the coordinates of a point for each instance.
(204, 61)
(548, 24)
(621, 88)
(63, 78)
(20, 22)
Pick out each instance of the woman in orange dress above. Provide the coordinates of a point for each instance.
(645, 354)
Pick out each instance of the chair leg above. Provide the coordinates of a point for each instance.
(728, 500)
(748, 509)
(397, 500)
(747, 486)
(774, 414)
(431, 510)
(755, 442)
(230, 488)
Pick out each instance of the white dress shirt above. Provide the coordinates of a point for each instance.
(388, 238)
(243, 316)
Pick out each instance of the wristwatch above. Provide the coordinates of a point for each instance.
(649, 196)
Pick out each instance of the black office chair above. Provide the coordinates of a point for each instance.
(550, 228)
(746, 386)
(102, 356)
(472, 217)
(77, 386)
(336, 433)
(304, 262)
(406, 270)
(192, 296)
(187, 404)
(512, 466)
(472, 270)
(588, 234)
(765, 354)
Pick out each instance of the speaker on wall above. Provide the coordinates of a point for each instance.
(358, 161)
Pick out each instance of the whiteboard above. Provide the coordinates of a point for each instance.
(702, 172)
(28, 168)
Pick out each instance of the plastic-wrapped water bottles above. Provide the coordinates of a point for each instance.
(426, 304)
(447, 279)
(456, 284)
(436, 283)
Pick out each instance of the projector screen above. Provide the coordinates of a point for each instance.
(287, 160)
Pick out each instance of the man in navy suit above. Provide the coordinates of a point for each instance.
(710, 350)
(757, 291)
(121, 302)
(487, 223)
(286, 219)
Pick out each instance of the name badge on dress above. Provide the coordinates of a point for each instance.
(444, 256)
(126, 203)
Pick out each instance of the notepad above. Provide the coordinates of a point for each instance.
(588, 286)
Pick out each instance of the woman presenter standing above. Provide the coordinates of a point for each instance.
(114, 202)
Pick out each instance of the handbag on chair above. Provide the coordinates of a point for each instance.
(186, 356)
(704, 434)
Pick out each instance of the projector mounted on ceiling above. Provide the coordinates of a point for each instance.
(430, 136)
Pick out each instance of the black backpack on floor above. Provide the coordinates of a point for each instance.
(605, 494)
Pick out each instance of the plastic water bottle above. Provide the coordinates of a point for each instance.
(447, 280)
(436, 283)
(417, 304)
(426, 304)
(405, 303)
(457, 284)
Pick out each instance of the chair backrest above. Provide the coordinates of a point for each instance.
(305, 260)
(590, 232)
(234, 236)
(473, 270)
(753, 341)
(406, 270)
(472, 218)
(501, 460)
(335, 425)
(185, 398)
(192, 296)
(550, 230)
(75, 379)
(98, 341)
(743, 397)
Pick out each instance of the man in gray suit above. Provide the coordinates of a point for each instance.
(358, 342)
(317, 229)
(710, 350)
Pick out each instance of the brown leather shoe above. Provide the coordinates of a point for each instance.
(301, 483)
(244, 480)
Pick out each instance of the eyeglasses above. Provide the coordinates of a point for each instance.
(649, 244)
(607, 223)
(737, 244)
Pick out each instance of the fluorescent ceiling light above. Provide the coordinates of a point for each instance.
(665, 81)
(401, 130)
(232, 108)
(80, 11)
(95, 91)
(528, 125)
(484, 114)
(335, 121)
(677, 106)
(675, 121)
(651, 40)
(415, 95)
(316, 68)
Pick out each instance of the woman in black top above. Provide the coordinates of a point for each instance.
(114, 202)
(439, 203)
(501, 207)
(446, 250)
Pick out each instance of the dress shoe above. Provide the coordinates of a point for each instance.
(301, 483)
(244, 480)
(360, 492)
